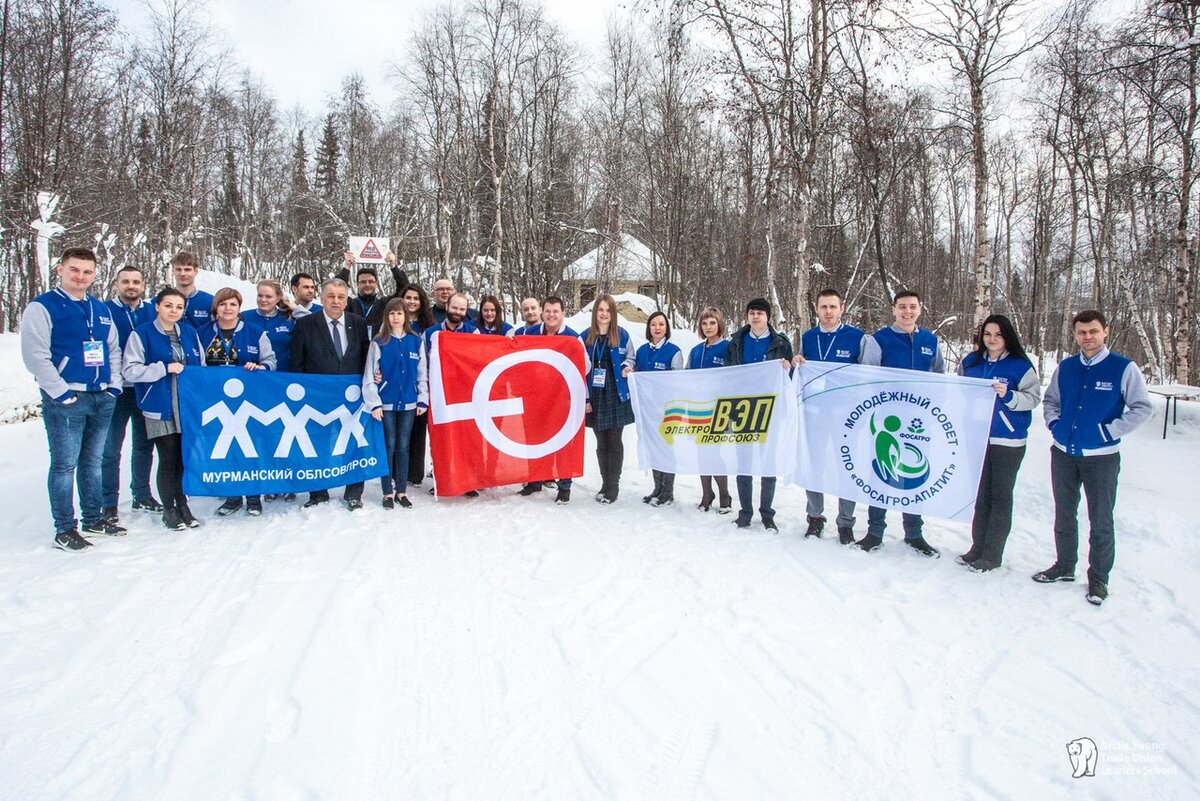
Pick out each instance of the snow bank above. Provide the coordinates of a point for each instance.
(19, 398)
(210, 281)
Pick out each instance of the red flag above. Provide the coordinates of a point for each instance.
(505, 410)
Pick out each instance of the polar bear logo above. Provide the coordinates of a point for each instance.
(1083, 756)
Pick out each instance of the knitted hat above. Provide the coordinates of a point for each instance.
(759, 304)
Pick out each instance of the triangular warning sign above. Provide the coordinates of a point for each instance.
(370, 251)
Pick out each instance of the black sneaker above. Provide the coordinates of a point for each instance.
(471, 494)
(661, 501)
(172, 520)
(845, 535)
(742, 521)
(563, 497)
(982, 565)
(230, 506)
(648, 498)
(185, 514)
(270, 496)
(147, 505)
(254, 507)
(106, 527)
(70, 541)
(922, 547)
(403, 502)
(769, 524)
(110, 513)
(816, 525)
(389, 502)
(1097, 592)
(968, 557)
(354, 504)
(532, 488)
(311, 502)
(289, 496)
(870, 543)
(1054, 573)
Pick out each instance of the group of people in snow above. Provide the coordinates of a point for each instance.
(108, 368)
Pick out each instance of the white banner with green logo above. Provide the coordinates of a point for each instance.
(723, 421)
(908, 441)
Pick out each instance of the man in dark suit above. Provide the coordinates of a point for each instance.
(331, 342)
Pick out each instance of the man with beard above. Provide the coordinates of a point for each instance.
(128, 311)
(531, 314)
(456, 322)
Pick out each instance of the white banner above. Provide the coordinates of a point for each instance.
(369, 249)
(723, 421)
(903, 440)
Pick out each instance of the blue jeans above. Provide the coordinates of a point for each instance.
(76, 433)
(124, 412)
(397, 434)
(745, 491)
(877, 522)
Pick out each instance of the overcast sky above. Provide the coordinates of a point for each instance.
(302, 49)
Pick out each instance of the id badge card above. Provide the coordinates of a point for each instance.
(93, 353)
(599, 377)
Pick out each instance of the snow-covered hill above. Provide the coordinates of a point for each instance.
(507, 648)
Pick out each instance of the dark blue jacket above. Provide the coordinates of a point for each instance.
(666, 356)
(1011, 414)
(278, 328)
(147, 355)
(745, 349)
(1086, 404)
(54, 329)
(252, 343)
(467, 327)
(705, 355)
(916, 351)
(504, 328)
(401, 362)
(127, 319)
(617, 357)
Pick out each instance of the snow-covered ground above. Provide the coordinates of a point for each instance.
(504, 647)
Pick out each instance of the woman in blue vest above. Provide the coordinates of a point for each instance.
(1000, 358)
(658, 353)
(420, 317)
(230, 341)
(608, 408)
(274, 316)
(711, 352)
(396, 390)
(491, 319)
(156, 353)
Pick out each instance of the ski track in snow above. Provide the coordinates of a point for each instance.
(511, 649)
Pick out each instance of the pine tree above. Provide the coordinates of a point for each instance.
(328, 153)
(299, 166)
(231, 209)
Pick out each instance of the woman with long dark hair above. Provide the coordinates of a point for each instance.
(491, 317)
(999, 356)
(609, 409)
(711, 352)
(658, 353)
(156, 353)
(420, 317)
(395, 389)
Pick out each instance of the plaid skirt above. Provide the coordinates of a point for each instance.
(608, 410)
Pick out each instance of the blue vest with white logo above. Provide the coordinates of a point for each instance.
(279, 333)
(72, 323)
(1089, 397)
(651, 358)
(245, 338)
(154, 398)
(398, 360)
(843, 344)
(705, 355)
(1006, 424)
(127, 319)
(915, 351)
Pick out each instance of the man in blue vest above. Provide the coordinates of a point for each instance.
(905, 346)
(128, 311)
(184, 268)
(1095, 398)
(69, 343)
(831, 340)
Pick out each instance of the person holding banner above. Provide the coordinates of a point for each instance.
(712, 351)
(1094, 398)
(531, 315)
(420, 318)
(491, 319)
(1000, 357)
(831, 340)
(396, 390)
(184, 268)
(128, 312)
(608, 407)
(157, 352)
(550, 324)
(230, 341)
(758, 341)
(456, 322)
(333, 342)
(274, 316)
(905, 346)
(658, 353)
(367, 303)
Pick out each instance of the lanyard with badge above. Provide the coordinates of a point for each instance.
(93, 349)
(599, 375)
(824, 354)
(226, 343)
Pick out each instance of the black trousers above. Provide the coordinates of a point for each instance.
(994, 500)
(610, 453)
(1097, 475)
(170, 470)
(416, 450)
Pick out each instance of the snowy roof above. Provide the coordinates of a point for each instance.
(635, 262)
